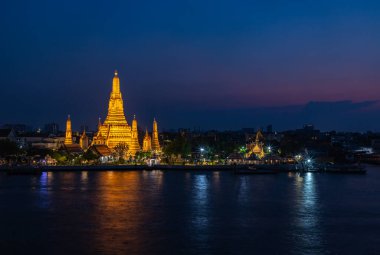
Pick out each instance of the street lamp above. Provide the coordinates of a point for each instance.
(201, 149)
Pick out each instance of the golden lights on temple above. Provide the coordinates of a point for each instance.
(256, 147)
(68, 136)
(115, 130)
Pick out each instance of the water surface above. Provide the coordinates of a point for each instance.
(154, 212)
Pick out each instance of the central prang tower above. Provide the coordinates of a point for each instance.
(115, 106)
(115, 129)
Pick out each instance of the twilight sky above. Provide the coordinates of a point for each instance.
(208, 64)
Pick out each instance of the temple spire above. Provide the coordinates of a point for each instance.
(147, 142)
(68, 136)
(116, 83)
(83, 140)
(155, 142)
(99, 123)
(115, 113)
(114, 130)
(134, 145)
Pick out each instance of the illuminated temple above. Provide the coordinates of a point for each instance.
(68, 135)
(256, 147)
(115, 131)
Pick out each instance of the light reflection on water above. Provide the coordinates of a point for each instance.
(84, 181)
(199, 219)
(243, 195)
(151, 212)
(45, 183)
(118, 209)
(308, 228)
(216, 181)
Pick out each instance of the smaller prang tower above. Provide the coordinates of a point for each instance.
(134, 145)
(155, 142)
(83, 142)
(147, 142)
(69, 136)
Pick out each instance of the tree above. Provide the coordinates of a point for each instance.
(121, 150)
(180, 145)
(140, 155)
(60, 157)
(8, 148)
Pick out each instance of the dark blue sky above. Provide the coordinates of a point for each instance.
(209, 64)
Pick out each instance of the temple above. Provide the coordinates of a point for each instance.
(155, 142)
(115, 130)
(83, 141)
(147, 142)
(257, 147)
(69, 145)
(68, 136)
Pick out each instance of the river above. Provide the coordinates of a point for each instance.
(211, 212)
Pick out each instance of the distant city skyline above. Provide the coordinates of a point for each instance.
(213, 65)
(326, 116)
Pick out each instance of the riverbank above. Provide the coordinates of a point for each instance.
(144, 167)
(252, 168)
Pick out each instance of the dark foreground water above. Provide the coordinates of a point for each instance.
(190, 213)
